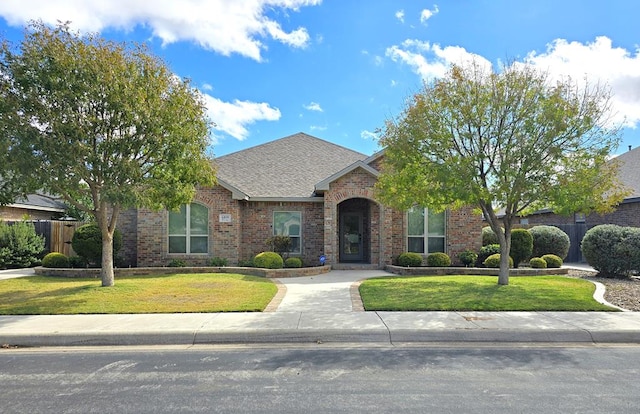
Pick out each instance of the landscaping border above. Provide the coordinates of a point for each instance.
(476, 271)
(146, 271)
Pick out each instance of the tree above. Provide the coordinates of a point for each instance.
(512, 140)
(104, 125)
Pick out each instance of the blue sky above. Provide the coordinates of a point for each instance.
(336, 69)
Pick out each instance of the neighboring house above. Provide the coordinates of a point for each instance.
(626, 214)
(33, 207)
(318, 193)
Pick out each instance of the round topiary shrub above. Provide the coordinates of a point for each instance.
(293, 262)
(410, 260)
(268, 260)
(489, 236)
(599, 249)
(552, 260)
(468, 258)
(87, 243)
(549, 240)
(56, 260)
(438, 260)
(521, 245)
(485, 252)
(538, 263)
(494, 261)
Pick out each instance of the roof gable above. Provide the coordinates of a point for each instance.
(289, 167)
(629, 170)
(324, 184)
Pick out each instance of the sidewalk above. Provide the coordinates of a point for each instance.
(320, 309)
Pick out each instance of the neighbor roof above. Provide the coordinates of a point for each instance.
(286, 168)
(629, 171)
(39, 202)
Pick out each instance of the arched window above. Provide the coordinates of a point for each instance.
(189, 229)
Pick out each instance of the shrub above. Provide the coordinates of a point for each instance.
(268, 260)
(218, 262)
(246, 263)
(438, 260)
(488, 236)
(485, 252)
(293, 262)
(628, 250)
(77, 262)
(177, 263)
(552, 260)
(549, 240)
(494, 261)
(521, 246)
(538, 263)
(600, 247)
(410, 260)
(87, 243)
(279, 244)
(20, 246)
(468, 258)
(55, 259)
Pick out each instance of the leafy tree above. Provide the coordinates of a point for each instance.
(91, 119)
(511, 139)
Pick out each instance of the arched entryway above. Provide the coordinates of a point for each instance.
(354, 230)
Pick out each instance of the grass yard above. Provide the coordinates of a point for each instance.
(179, 293)
(479, 293)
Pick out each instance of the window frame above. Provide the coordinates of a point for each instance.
(188, 235)
(299, 236)
(426, 235)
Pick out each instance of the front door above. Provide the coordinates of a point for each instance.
(351, 237)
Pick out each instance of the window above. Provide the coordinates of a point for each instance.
(425, 231)
(287, 223)
(189, 229)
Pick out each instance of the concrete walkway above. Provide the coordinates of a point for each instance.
(319, 309)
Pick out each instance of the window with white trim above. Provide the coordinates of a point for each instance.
(425, 231)
(288, 223)
(189, 229)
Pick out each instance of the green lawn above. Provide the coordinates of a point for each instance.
(179, 293)
(479, 293)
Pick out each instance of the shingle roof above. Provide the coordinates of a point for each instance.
(289, 167)
(630, 170)
(40, 202)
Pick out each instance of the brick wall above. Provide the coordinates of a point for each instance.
(626, 214)
(13, 213)
(257, 227)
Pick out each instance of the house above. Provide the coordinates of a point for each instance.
(34, 207)
(627, 213)
(318, 193)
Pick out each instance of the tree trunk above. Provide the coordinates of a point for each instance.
(505, 247)
(106, 272)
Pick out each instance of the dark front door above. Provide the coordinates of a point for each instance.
(351, 237)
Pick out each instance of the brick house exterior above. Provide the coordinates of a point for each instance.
(324, 194)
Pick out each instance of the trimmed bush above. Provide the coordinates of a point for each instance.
(494, 261)
(552, 260)
(438, 260)
(521, 246)
(538, 263)
(549, 240)
(612, 250)
(410, 260)
(87, 243)
(485, 252)
(77, 262)
(268, 260)
(20, 246)
(55, 260)
(246, 263)
(293, 262)
(218, 262)
(177, 263)
(488, 236)
(468, 258)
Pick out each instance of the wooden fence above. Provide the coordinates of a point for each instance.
(57, 234)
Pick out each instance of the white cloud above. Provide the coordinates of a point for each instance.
(430, 60)
(426, 14)
(317, 128)
(220, 25)
(232, 118)
(207, 87)
(369, 135)
(313, 106)
(393, 83)
(400, 15)
(598, 61)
